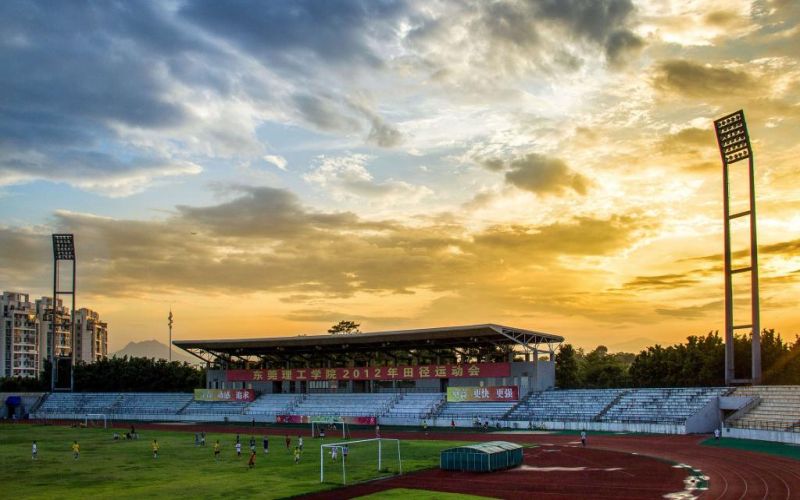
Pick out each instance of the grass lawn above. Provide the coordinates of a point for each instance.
(781, 449)
(405, 493)
(126, 469)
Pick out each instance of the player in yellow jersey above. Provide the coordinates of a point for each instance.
(155, 448)
(216, 450)
(76, 450)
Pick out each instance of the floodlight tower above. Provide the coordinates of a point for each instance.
(734, 145)
(63, 250)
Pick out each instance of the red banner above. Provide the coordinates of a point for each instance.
(224, 395)
(305, 419)
(372, 373)
(499, 393)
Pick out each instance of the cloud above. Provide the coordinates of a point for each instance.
(277, 160)
(347, 176)
(93, 171)
(265, 240)
(663, 281)
(264, 212)
(692, 312)
(545, 175)
(697, 80)
(335, 32)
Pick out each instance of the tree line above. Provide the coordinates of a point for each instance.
(700, 361)
(120, 375)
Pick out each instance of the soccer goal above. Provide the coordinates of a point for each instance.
(96, 420)
(360, 460)
(329, 426)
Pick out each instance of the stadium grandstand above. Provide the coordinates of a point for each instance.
(455, 376)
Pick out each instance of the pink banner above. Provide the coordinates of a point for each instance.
(372, 373)
(305, 419)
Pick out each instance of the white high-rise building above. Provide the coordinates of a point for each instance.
(91, 336)
(26, 333)
(44, 313)
(19, 339)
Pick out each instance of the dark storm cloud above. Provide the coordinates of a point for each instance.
(545, 175)
(696, 80)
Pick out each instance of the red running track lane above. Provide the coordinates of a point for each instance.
(733, 474)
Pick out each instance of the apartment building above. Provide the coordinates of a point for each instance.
(20, 344)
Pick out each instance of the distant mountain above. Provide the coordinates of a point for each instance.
(152, 349)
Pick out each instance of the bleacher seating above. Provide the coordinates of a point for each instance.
(483, 410)
(214, 408)
(415, 405)
(778, 409)
(567, 405)
(272, 404)
(78, 403)
(358, 404)
(149, 403)
(660, 405)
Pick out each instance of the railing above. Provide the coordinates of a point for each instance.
(766, 425)
(755, 400)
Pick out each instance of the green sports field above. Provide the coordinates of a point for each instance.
(126, 469)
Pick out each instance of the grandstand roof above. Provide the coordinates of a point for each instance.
(430, 338)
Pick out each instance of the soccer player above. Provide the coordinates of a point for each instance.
(266, 445)
(300, 442)
(238, 449)
(76, 450)
(197, 439)
(296, 454)
(345, 451)
(288, 443)
(34, 451)
(716, 434)
(322, 432)
(216, 450)
(334, 453)
(252, 462)
(203, 438)
(583, 439)
(155, 449)
(377, 431)
(252, 444)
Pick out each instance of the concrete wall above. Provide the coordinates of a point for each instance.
(776, 436)
(705, 420)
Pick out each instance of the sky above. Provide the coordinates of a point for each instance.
(272, 168)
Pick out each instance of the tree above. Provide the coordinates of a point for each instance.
(344, 328)
(567, 376)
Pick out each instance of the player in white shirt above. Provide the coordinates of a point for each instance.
(34, 450)
(238, 449)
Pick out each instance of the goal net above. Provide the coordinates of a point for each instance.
(361, 460)
(96, 420)
(329, 427)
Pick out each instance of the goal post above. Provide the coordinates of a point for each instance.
(329, 424)
(96, 420)
(360, 460)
